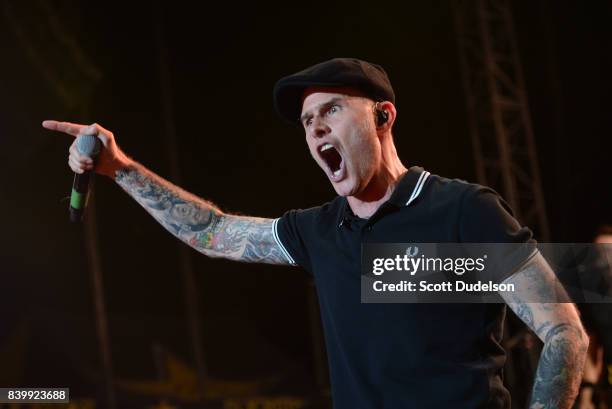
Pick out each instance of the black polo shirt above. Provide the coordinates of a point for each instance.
(405, 355)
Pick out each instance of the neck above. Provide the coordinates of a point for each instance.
(381, 185)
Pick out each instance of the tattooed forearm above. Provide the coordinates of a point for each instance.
(560, 368)
(558, 325)
(199, 223)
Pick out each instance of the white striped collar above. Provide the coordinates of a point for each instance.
(409, 186)
(418, 187)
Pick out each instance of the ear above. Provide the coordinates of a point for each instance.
(389, 108)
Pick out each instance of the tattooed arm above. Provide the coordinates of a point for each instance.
(193, 220)
(558, 325)
(199, 223)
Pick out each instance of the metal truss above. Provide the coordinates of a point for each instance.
(500, 124)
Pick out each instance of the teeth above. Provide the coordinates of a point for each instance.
(336, 173)
(326, 147)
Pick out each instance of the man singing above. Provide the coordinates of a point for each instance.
(380, 355)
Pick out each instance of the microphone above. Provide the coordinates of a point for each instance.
(88, 145)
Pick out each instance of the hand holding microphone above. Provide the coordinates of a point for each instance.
(92, 142)
(87, 146)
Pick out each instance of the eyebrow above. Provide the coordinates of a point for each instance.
(321, 106)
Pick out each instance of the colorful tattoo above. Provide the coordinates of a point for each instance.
(199, 223)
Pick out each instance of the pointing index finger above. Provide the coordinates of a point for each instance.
(66, 127)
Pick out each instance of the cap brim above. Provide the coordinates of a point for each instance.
(288, 96)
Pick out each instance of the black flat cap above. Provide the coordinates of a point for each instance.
(370, 79)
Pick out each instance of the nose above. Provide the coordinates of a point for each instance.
(319, 128)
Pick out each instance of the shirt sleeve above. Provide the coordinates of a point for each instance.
(290, 233)
(486, 218)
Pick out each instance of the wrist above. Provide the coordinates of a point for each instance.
(120, 163)
(586, 385)
(586, 391)
(585, 397)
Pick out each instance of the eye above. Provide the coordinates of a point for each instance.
(332, 109)
(307, 122)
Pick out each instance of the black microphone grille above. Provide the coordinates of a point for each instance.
(88, 145)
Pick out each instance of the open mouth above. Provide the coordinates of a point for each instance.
(333, 160)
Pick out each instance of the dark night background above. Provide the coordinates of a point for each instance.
(224, 59)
